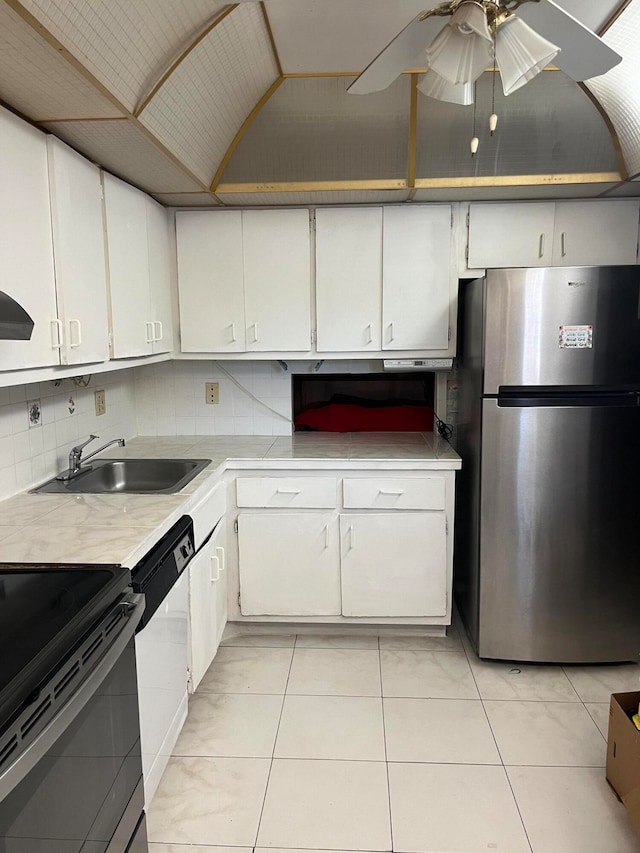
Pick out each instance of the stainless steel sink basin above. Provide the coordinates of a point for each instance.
(129, 476)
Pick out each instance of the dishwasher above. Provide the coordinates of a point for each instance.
(161, 644)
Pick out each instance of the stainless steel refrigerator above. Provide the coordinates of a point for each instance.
(547, 550)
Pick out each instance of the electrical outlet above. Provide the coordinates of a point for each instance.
(211, 393)
(101, 403)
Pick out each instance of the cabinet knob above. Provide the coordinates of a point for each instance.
(233, 333)
(563, 243)
(78, 340)
(220, 556)
(391, 334)
(149, 332)
(215, 562)
(56, 334)
(541, 246)
(157, 330)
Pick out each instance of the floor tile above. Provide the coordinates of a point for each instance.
(597, 683)
(265, 641)
(571, 810)
(428, 675)
(546, 733)
(339, 727)
(209, 801)
(450, 643)
(454, 808)
(335, 672)
(517, 681)
(326, 804)
(446, 731)
(336, 641)
(243, 670)
(600, 713)
(195, 848)
(231, 725)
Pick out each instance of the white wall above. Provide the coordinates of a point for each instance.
(29, 455)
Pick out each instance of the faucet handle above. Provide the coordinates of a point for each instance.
(79, 447)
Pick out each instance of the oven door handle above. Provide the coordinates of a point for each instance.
(133, 607)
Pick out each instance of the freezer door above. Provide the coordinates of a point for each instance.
(563, 326)
(559, 577)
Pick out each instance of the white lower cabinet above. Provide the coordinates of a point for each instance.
(289, 564)
(207, 603)
(392, 564)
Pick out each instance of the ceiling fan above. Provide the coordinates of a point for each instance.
(520, 37)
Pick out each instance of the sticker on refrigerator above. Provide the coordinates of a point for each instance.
(575, 337)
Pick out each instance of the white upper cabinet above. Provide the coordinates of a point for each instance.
(26, 249)
(80, 265)
(160, 248)
(126, 214)
(417, 275)
(277, 280)
(349, 279)
(210, 281)
(585, 233)
(510, 235)
(596, 233)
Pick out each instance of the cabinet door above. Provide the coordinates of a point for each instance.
(394, 564)
(277, 280)
(131, 320)
(204, 575)
(596, 233)
(349, 279)
(80, 263)
(510, 235)
(26, 249)
(416, 277)
(210, 281)
(289, 564)
(222, 598)
(159, 248)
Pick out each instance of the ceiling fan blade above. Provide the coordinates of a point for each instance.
(582, 53)
(401, 53)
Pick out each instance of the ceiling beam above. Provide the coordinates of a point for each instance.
(274, 47)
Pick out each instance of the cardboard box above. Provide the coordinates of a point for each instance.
(623, 753)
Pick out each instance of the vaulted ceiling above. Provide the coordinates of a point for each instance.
(204, 103)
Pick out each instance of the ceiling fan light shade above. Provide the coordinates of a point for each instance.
(521, 53)
(435, 86)
(469, 19)
(458, 58)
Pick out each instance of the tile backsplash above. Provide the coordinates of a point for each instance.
(30, 452)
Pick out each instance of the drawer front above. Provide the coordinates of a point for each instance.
(301, 492)
(394, 493)
(207, 513)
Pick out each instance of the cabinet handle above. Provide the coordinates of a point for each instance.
(326, 536)
(369, 334)
(254, 327)
(222, 562)
(78, 340)
(541, 246)
(395, 492)
(150, 338)
(215, 561)
(233, 332)
(563, 243)
(391, 335)
(157, 335)
(287, 491)
(352, 538)
(56, 342)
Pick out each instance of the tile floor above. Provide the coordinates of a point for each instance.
(410, 744)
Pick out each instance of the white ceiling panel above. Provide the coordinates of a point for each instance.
(313, 130)
(37, 81)
(628, 189)
(122, 148)
(549, 126)
(512, 193)
(126, 44)
(618, 90)
(200, 108)
(314, 198)
(186, 199)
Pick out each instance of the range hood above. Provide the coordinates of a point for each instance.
(15, 323)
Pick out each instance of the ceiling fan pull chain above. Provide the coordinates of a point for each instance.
(475, 141)
(493, 118)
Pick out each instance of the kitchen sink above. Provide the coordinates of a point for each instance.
(129, 476)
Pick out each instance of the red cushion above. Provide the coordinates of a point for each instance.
(340, 417)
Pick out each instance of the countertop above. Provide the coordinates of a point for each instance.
(119, 529)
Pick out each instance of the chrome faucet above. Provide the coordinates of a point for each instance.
(76, 459)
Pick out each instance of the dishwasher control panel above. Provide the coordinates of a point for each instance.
(184, 551)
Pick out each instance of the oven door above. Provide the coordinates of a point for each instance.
(72, 778)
